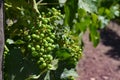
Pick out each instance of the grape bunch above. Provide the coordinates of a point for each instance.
(46, 37)
(40, 38)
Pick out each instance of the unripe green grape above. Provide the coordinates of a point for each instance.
(49, 13)
(50, 66)
(49, 48)
(48, 38)
(45, 21)
(46, 44)
(28, 37)
(33, 48)
(44, 56)
(41, 59)
(44, 64)
(44, 40)
(41, 53)
(42, 35)
(37, 37)
(49, 57)
(42, 50)
(37, 47)
(34, 35)
(48, 30)
(36, 31)
(34, 54)
(51, 40)
(52, 36)
(29, 46)
(50, 44)
(53, 46)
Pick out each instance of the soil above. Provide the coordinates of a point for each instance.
(102, 62)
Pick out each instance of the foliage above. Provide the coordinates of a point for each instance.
(44, 38)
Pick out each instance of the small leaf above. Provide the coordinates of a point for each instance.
(63, 54)
(70, 8)
(94, 18)
(87, 5)
(67, 73)
(19, 42)
(54, 64)
(10, 41)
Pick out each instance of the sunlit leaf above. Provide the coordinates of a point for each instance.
(67, 73)
(54, 64)
(10, 41)
(87, 5)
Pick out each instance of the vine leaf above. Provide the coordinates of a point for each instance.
(10, 41)
(87, 5)
(67, 73)
(70, 8)
(54, 64)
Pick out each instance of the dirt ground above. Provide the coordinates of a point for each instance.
(102, 62)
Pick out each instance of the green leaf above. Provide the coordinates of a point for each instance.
(94, 35)
(19, 42)
(87, 5)
(81, 13)
(103, 21)
(94, 18)
(63, 54)
(82, 25)
(67, 73)
(10, 41)
(54, 64)
(70, 8)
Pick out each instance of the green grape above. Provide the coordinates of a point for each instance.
(49, 48)
(37, 47)
(42, 35)
(49, 66)
(37, 37)
(46, 44)
(33, 48)
(34, 35)
(52, 36)
(29, 46)
(42, 50)
(28, 37)
(44, 40)
(41, 59)
(44, 64)
(34, 54)
(49, 57)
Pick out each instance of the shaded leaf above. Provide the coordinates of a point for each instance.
(19, 42)
(70, 8)
(63, 54)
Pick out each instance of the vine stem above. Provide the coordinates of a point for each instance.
(35, 6)
(50, 3)
(36, 76)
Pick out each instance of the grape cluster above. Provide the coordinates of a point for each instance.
(67, 40)
(47, 34)
(40, 39)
